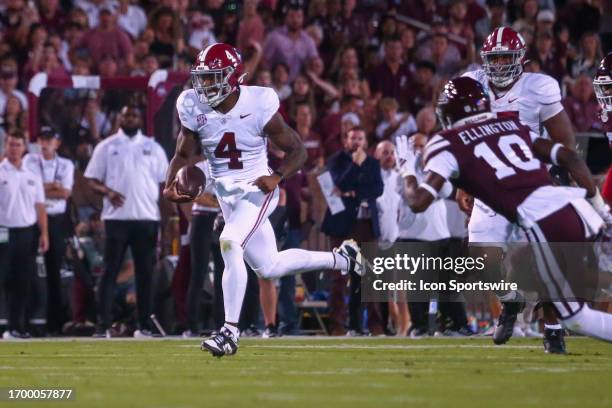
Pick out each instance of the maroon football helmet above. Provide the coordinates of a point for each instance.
(603, 85)
(461, 98)
(503, 55)
(217, 72)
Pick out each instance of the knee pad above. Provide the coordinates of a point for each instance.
(228, 245)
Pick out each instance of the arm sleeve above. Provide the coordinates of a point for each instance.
(185, 108)
(68, 180)
(269, 106)
(96, 168)
(40, 191)
(444, 164)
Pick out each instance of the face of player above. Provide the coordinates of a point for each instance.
(15, 148)
(502, 69)
(355, 140)
(48, 146)
(131, 120)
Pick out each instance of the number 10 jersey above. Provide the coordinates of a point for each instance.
(493, 161)
(234, 143)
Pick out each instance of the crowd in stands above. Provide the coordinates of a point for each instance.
(336, 65)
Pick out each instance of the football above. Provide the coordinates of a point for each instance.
(190, 181)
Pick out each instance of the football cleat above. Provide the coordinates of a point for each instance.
(507, 318)
(221, 343)
(270, 331)
(554, 341)
(351, 252)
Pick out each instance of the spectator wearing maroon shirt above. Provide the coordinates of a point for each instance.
(300, 92)
(310, 139)
(51, 16)
(582, 107)
(250, 27)
(458, 23)
(390, 78)
(108, 39)
(330, 126)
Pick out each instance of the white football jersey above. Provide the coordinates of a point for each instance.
(535, 97)
(234, 143)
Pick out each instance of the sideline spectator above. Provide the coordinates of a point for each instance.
(358, 181)
(128, 169)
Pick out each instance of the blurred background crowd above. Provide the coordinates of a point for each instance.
(370, 66)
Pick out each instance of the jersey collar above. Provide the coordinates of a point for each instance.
(474, 119)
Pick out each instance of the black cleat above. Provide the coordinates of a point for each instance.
(507, 318)
(222, 343)
(554, 341)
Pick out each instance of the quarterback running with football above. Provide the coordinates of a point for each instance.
(232, 123)
(534, 99)
(500, 161)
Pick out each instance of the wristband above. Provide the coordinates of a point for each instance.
(429, 188)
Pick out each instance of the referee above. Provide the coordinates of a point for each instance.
(58, 177)
(22, 205)
(127, 168)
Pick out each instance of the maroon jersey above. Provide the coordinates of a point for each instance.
(491, 160)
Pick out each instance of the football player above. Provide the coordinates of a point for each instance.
(534, 99)
(233, 122)
(603, 90)
(495, 160)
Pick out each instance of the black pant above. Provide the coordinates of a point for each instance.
(201, 237)
(56, 315)
(17, 269)
(141, 236)
(451, 306)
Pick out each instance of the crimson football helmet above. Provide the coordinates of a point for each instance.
(217, 72)
(503, 55)
(603, 85)
(461, 97)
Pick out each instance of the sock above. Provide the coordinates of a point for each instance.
(553, 326)
(233, 329)
(234, 280)
(294, 261)
(592, 323)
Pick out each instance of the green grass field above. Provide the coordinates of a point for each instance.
(321, 372)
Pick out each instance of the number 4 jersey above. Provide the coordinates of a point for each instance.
(234, 142)
(493, 161)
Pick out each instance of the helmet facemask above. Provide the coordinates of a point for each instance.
(212, 86)
(505, 73)
(603, 91)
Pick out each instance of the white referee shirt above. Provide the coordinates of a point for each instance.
(430, 225)
(56, 170)
(20, 190)
(133, 167)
